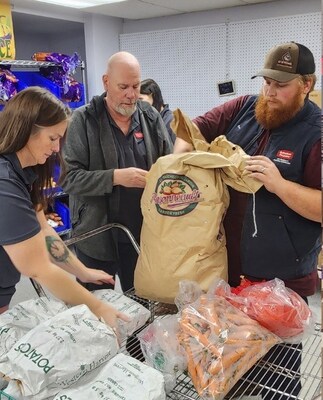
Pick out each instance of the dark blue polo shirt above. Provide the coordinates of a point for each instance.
(131, 150)
(18, 221)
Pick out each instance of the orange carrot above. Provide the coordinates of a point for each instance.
(228, 359)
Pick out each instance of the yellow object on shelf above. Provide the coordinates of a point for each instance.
(7, 40)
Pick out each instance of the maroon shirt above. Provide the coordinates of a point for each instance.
(215, 123)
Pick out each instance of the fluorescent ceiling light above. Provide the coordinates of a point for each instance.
(80, 3)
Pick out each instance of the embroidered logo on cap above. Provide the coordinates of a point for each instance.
(286, 60)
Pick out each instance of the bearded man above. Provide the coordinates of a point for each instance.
(281, 130)
(111, 144)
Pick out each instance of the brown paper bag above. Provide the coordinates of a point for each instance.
(183, 206)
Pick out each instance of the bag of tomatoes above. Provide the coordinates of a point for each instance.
(272, 304)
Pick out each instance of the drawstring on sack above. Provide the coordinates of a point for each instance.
(254, 214)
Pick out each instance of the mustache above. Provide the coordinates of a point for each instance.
(267, 100)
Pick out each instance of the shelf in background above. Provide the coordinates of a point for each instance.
(28, 63)
(33, 64)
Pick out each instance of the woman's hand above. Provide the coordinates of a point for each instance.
(110, 315)
(55, 218)
(97, 276)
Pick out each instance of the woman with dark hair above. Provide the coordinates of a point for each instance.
(32, 125)
(151, 93)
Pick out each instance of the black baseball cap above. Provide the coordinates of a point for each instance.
(287, 61)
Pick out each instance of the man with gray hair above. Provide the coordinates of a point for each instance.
(111, 144)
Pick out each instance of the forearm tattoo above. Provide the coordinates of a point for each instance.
(57, 249)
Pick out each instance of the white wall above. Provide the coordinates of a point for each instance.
(101, 41)
(26, 46)
(187, 59)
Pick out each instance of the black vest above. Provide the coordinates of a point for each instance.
(286, 245)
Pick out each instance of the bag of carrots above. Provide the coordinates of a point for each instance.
(221, 343)
(272, 304)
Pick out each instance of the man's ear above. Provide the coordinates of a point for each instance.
(308, 86)
(105, 80)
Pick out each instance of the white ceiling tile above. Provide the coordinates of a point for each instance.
(132, 9)
(194, 5)
(135, 9)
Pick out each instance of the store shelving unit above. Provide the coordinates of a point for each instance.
(31, 65)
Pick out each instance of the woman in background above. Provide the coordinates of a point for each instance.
(32, 125)
(151, 93)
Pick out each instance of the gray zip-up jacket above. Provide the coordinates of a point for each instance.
(90, 159)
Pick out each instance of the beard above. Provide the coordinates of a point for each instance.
(271, 118)
(126, 111)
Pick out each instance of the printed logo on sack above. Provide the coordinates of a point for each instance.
(175, 195)
(284, 156)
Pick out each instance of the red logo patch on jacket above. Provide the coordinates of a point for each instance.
(139, 135)
(285, 154)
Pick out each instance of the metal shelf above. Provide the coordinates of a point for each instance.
(184, 390)
(27, 63)
(248, 385)
(33, 64)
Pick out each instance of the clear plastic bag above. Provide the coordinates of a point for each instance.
(188, 293)
(222, 343)
(161, 348)
(272, 304)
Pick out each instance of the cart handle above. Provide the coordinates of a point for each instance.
(101, 229)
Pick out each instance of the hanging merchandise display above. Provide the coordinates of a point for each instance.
(62, 73)
(8, 83)
(52, 71)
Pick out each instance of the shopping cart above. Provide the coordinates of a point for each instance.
(248, 387)
(70, 242)
(310, 374)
